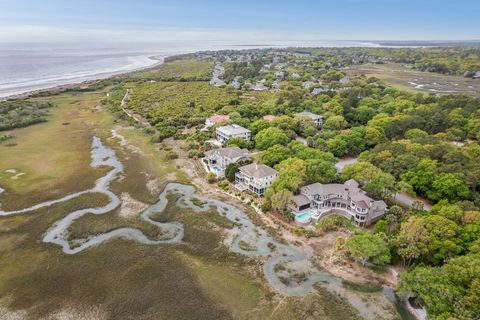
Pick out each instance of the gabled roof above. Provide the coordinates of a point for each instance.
(362, 204)
(308, 114)
(233, 152)
(324, 189)
(300, 200)
(258, 171)
(233, 129)
(217, 118)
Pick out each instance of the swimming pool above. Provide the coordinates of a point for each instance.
(303, 218)
(216, 170)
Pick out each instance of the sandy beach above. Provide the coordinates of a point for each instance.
(20, 91)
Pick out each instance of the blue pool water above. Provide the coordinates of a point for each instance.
(304, 216)
(216, 169)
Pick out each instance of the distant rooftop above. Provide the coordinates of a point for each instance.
(217, 118)
(308, 114)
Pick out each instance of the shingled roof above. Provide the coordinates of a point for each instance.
(258, 170)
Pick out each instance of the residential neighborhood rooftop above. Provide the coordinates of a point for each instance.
(308, 114)
(233, 129)
(258, 170)
(231, 152)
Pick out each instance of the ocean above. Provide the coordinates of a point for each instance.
(29, 67)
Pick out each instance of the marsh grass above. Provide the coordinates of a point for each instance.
(199, 279)
(55, 158)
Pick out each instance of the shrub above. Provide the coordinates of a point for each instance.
(211, 177)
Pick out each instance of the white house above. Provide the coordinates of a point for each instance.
(255, 177)
(317, 119)
(228, 132)
(345, 199)
(218, 159)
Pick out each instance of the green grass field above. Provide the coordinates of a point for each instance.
(414, 81)
(176, 70)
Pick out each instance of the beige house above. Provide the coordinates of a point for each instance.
(255, 177)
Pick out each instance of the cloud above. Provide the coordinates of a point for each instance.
(43, 33)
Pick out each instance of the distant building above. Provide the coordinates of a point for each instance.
(269, 117)
(317, 119)
(322, 89)
(255, 177)
(344, 80)
(216, 119)
(258, 87)
(237, 82)
(308, 84)
(226, 133)
(347, 199)
(295, 75)
(218, 159)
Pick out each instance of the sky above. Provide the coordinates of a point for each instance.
(241, 20)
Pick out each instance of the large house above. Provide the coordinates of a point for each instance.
(230, 131)
(218, 159)
(318, 200)
(255, 177)
(216, 119)
(317, 119)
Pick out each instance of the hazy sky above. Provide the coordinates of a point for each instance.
(241, 20)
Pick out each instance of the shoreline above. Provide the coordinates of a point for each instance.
(86, 80)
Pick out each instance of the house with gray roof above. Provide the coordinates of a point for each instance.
(230, 131)
(259, 86)
(255, 177)
(318, 119)
(217, 160)
(345, 199)
(344, 80)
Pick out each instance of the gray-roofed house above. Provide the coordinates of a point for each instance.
(318, 119)
(255, 177)
(345, 199)
(321, 89)
(230, 131)
(308, 84)
(218, 159)
(259, 86)
(344, 80)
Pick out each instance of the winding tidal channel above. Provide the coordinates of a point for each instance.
(283, 263)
